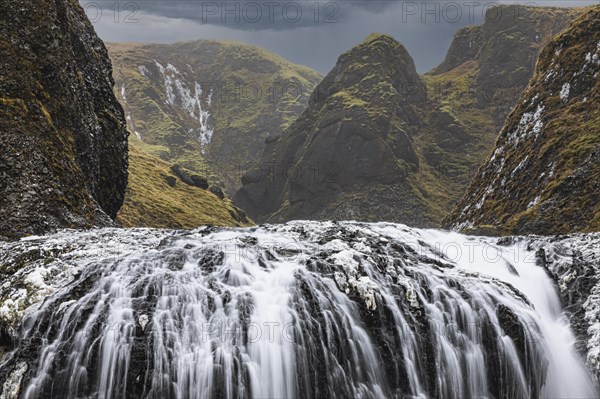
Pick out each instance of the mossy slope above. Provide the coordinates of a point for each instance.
(155, 197)
(487, 68)
(379, 142)
(176, 95)
(544, 174)
(361, 149)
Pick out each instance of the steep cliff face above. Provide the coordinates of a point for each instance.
(429, 146)
(543, 176)
(363, 149)
(63, 139)
(487, 68)
(208, 105)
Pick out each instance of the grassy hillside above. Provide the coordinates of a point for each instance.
(397, 146)
(150, 201)
(208, 105)
(486, 70)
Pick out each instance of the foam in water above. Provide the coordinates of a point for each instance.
(307, 309)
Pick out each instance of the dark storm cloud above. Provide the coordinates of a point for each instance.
(243, 14)
(308, 32)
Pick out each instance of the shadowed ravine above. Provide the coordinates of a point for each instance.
(306, 309)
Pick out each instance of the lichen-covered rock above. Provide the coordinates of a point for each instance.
(35, 267)
(482, 77)
(543, 176)
(63, 139)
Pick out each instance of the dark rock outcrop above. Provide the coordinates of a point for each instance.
(543, 176)
(355, 153)
(63, 139)
(379, 142)
(190, 178)
(573, 263)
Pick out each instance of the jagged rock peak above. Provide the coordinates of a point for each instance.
(378, 57)
(358, 137)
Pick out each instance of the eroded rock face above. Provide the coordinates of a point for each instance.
(354, 153)
(542, 176)
(63, 139)
(498, 58)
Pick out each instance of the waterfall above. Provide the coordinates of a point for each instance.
(305, 309)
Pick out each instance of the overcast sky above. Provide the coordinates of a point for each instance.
(309, 32)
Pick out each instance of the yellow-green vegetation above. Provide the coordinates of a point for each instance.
(249, 93)
(16, 104)
(151, 202)
(406, 146)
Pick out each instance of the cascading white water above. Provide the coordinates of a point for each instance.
(567, 376)
(307, 309)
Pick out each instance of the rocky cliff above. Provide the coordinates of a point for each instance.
(379, 142)
(354, 153)
(208, 105)
(543, 175)
(487, 68)
(63, 139)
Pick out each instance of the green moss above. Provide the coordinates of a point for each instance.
(151, 202)
(257, 94)
(563, 168)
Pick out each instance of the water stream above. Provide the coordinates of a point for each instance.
(307, 309)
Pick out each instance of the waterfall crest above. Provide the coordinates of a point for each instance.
(306, 309)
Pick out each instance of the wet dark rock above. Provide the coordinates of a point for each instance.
(573, 263)
(64, 138)
(365, 315)
(171, 181)
(542, 176)
(190, 178)
(216, 190)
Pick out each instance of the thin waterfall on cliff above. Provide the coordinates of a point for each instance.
(306, 309)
